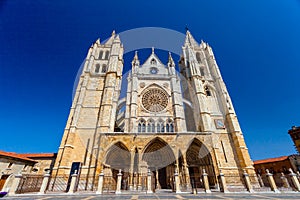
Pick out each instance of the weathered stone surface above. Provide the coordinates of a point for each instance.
(189, 126)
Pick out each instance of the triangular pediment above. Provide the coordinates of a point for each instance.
(153, 60)
(153, 66)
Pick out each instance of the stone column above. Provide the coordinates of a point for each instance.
(157, 180)
(223, 182)
(100, 183)
(272, 182)
(149, 183)
(44, 183)
(139, 187)
(260, 181)
(177, 182)
(132, 154)
(284, 181)
(294, 180)
(206, 183)
(73, 183)
(186, 173)
(134, 181)
(248, 182)
(119, 181)
(15, 184)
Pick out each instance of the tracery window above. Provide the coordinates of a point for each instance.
(97, 68)
(100, 55)
(207, 91)
(202, 71)
(160, 126)
(198, 57)
(142, 126)
(151, 126)
(155, 100)
(153, 62)
(103, 69)
(106, 55)
(169, 126)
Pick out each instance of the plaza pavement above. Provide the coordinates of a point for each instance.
(173, 196)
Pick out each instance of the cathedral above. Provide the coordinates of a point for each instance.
(167, 121)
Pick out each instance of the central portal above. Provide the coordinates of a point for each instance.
(161, 161)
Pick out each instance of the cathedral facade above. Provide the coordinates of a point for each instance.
(167, 121)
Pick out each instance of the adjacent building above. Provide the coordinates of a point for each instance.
(13, 163)
(278, 165)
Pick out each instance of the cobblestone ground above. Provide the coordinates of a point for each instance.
(159, 196)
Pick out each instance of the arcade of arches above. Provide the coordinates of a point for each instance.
(162, 160)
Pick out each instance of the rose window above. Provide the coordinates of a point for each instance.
(155, 100)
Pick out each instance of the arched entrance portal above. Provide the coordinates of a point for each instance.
(161, 161)
(118, 158)
(199, 159)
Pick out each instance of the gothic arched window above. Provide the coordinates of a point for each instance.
(169, 126)
(198, 57)
(100, 55)
(103, 70)
(106, 55)
(160, 126)
(97, 68)
(202, 71)
(150, 126)
(207, 91)
(142, 126)
(153, 62)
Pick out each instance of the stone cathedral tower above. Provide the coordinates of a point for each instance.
(168, 121)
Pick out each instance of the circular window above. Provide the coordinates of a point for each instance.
(153, 70)
(155, 100)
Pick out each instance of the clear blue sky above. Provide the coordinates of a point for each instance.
(43, 43)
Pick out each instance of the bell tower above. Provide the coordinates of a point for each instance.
(93, 111)
(214, 110)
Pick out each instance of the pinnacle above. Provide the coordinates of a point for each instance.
(98, 41)
(171, 61)
(136, 55)
(189, 39)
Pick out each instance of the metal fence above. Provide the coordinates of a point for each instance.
(58, 183)
(30, 183)
(87, 183)
(143, 182)
(109, 184)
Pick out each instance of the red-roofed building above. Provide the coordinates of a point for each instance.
(13, 163)
(278, 164)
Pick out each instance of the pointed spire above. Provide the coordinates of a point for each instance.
(136, 55)
(203, 44)
(117, 39)
(171, 62)
(189, 39)
(135, 61)
(111, 39)
(152, 50)
(98, 41)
